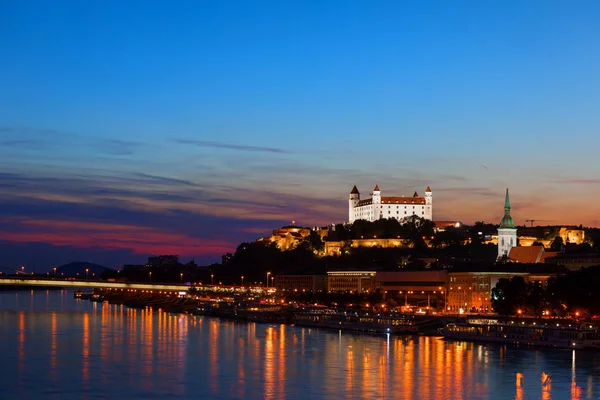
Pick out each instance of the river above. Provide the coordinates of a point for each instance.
(55, 347)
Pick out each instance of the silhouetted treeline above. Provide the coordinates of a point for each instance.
(574, 293)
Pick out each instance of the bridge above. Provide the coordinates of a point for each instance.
(93, 284)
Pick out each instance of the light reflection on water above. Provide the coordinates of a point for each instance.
(56, 347)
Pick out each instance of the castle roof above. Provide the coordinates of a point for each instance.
(376, 188)
(507, 221)
(393, 200)
(403, 200)
(428, 190)
(354, 190)
(416, 194)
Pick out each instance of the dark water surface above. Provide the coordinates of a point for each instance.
(55, 347)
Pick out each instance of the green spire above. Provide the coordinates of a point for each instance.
(507, 221)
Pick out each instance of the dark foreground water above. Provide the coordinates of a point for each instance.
(55, 347)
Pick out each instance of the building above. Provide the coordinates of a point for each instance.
(335, 248)
(529, 236)
(418, 288)
(226, 258)
(162, 261)
(575, 261)
(440, 226)
(529, 254)
(378, 207)
(470, 288)
(507, 232)
(351, 281)
(287, 237)
(301, 283)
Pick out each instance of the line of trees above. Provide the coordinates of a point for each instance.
(575, 293)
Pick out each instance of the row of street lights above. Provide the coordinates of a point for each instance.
(212, 279)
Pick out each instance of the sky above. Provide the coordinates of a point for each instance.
(186, 127)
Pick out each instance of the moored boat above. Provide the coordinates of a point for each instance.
(546, 333)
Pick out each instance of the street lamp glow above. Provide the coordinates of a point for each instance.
(268, 273)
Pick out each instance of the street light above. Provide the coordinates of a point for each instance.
(242, 280)
(86, 273)
(55, 272)
(212, 279)
(268, 273)
(272, 281)
(181, 276)
(149, 276)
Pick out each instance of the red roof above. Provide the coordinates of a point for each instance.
(527, 254)
(376, 188)
(403, 200)
(428, 189)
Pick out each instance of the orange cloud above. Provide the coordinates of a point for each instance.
(141, 240)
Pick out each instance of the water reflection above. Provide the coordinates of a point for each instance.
(58, 346)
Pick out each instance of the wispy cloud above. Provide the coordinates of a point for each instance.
(576, 181)
(42, 138)
(164, 180)
(229, 146)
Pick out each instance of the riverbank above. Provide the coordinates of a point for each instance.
(253, 310)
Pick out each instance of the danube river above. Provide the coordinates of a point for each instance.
(55, 347)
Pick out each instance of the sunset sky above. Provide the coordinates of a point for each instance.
(130, 128)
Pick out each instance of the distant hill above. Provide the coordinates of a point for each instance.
(74, 268)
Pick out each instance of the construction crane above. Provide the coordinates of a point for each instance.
(537, 220)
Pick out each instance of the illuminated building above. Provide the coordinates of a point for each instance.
(352, 281)
(378, 207)
(308, 283)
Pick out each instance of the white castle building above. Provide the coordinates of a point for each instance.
(378, 207)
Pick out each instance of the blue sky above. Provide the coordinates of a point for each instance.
(199, 124)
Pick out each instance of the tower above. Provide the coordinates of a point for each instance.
(507, 232)
(428, 204)
(352, 203)
(376, 195)
(377, 211)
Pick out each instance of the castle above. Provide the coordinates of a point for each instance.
(378, 207)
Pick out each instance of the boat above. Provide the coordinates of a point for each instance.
(562, 334)
(357, 321)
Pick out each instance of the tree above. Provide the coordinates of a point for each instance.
(557, 244)
(509, 295)
(314, 242)
(416, 229)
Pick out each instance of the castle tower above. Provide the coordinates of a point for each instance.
(377, 211)
(352, 203)
(507, 232)
(428, 204)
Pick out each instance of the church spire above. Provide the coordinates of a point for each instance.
(507, 221)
